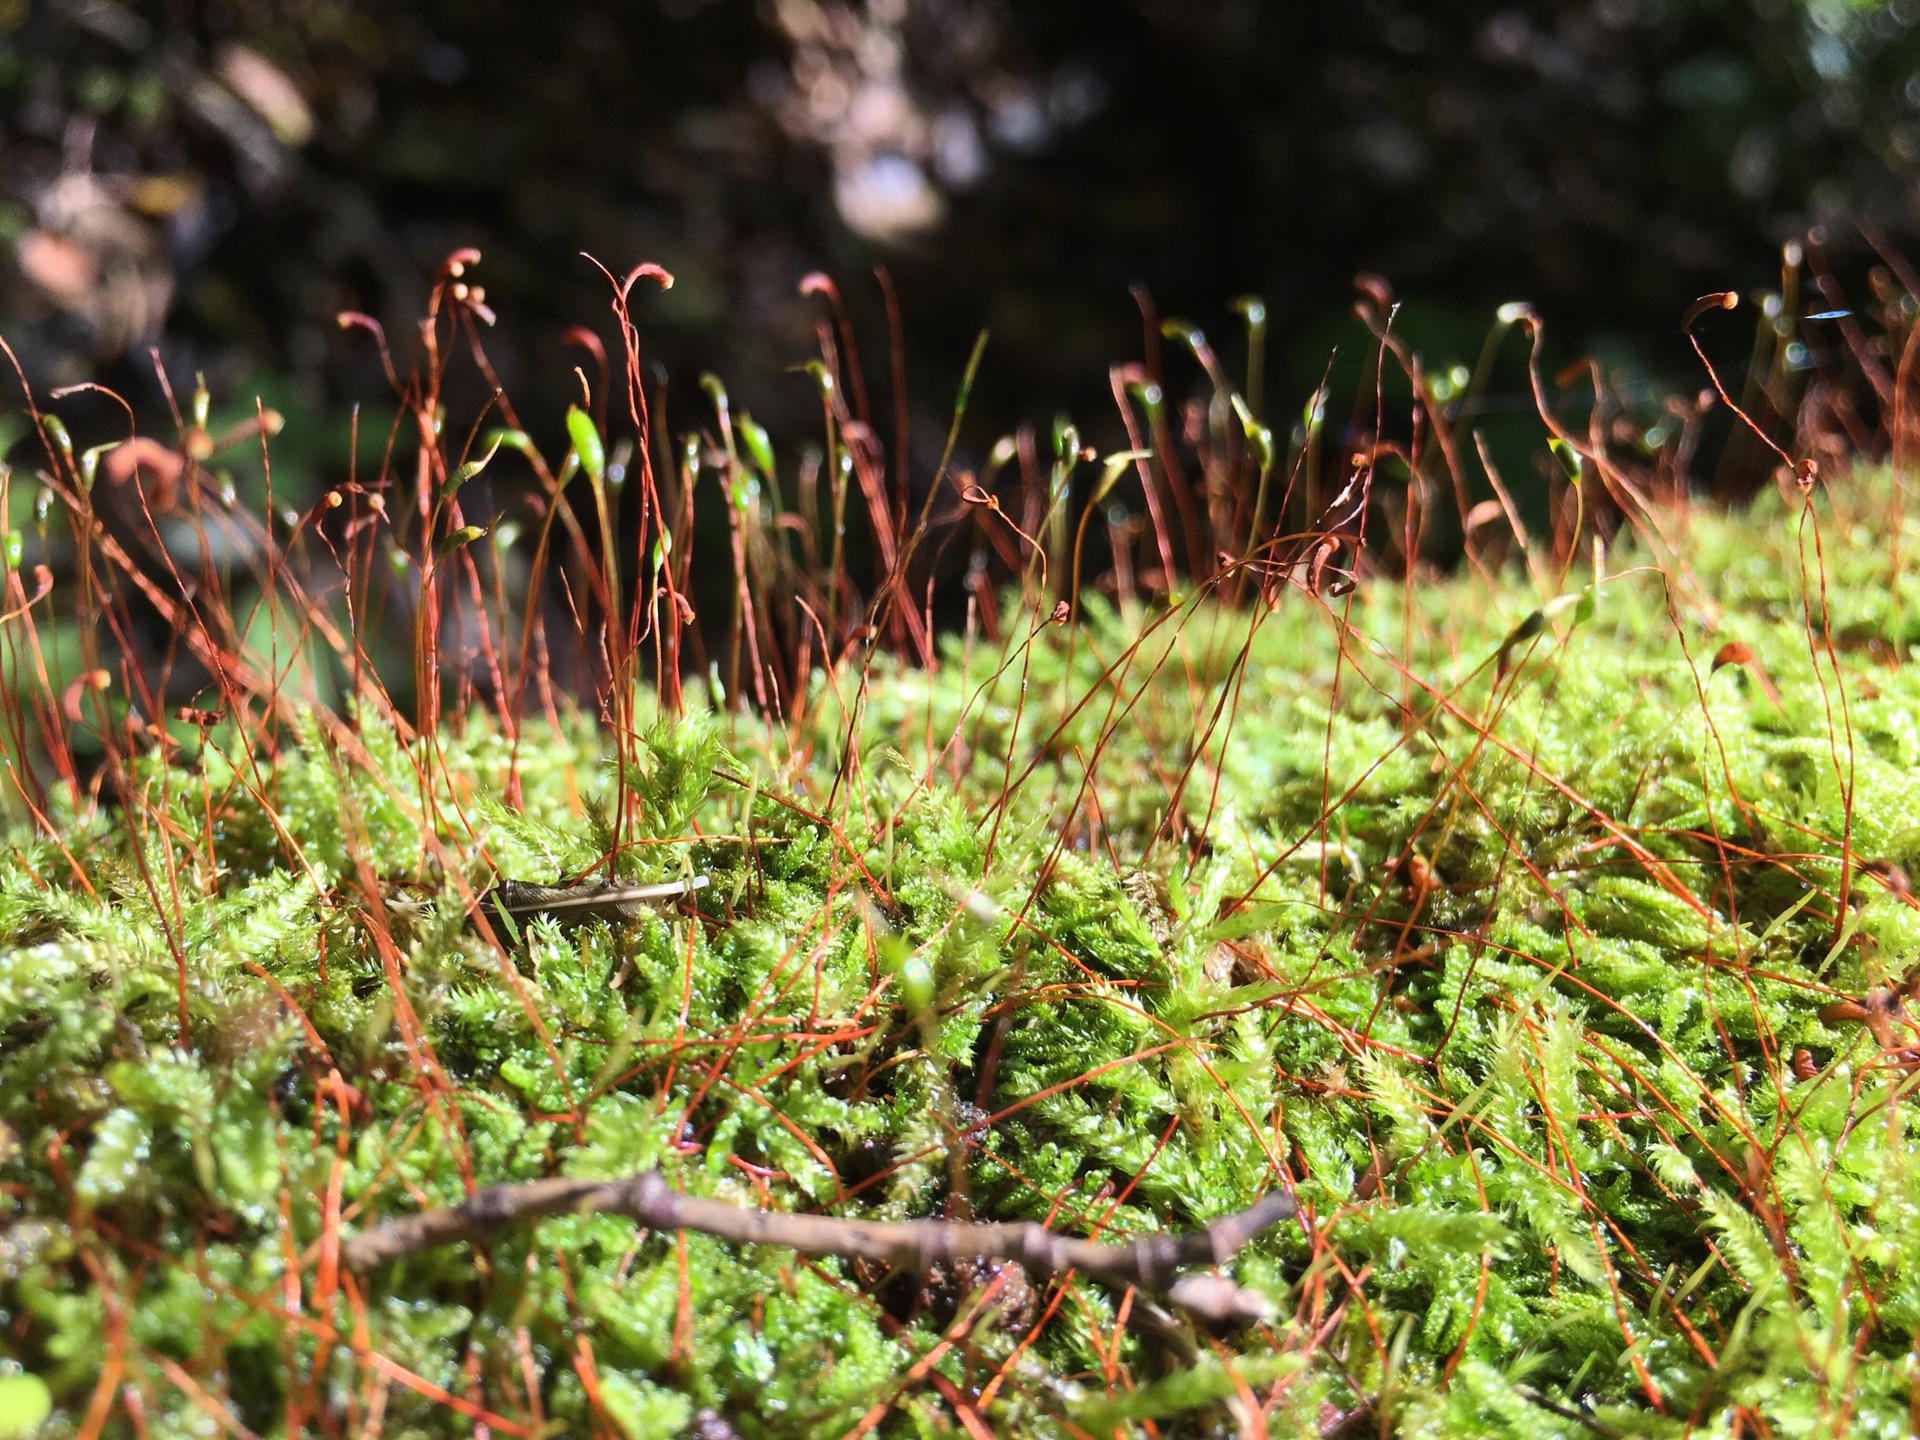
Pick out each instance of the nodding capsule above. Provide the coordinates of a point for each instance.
(1803, 1066)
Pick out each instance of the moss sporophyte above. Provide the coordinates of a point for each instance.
(1301, 994)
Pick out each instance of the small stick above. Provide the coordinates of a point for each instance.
(604, 900)
(1150, 1263)
(511, 903)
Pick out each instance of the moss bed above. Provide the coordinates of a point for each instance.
(1498, 922)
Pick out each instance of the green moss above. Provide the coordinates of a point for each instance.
(1501, 965)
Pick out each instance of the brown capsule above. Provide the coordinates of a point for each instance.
(1843, 1012)
(1734, 652)
(1375, 288)
(1323, 554)
(1879, 1010)
(1420, 876)
(92, 680)
(1371, 1181)
(1718, 300)
(1890, 875)
(1803, 1066)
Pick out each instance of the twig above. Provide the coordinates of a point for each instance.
(511, 903)
(607, 900)
(1151, 1263)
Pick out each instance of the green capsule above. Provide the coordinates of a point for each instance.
(587, 443)
(759, 443)
(57, 433)
(465, 535)
(472, 468)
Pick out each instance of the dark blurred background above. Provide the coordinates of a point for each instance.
(219, 178)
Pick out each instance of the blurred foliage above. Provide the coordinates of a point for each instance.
(226, 175)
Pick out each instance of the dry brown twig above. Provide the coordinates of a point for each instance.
(509, 904)
(1151, 1263)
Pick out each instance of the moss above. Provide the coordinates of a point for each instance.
(1502, 964)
